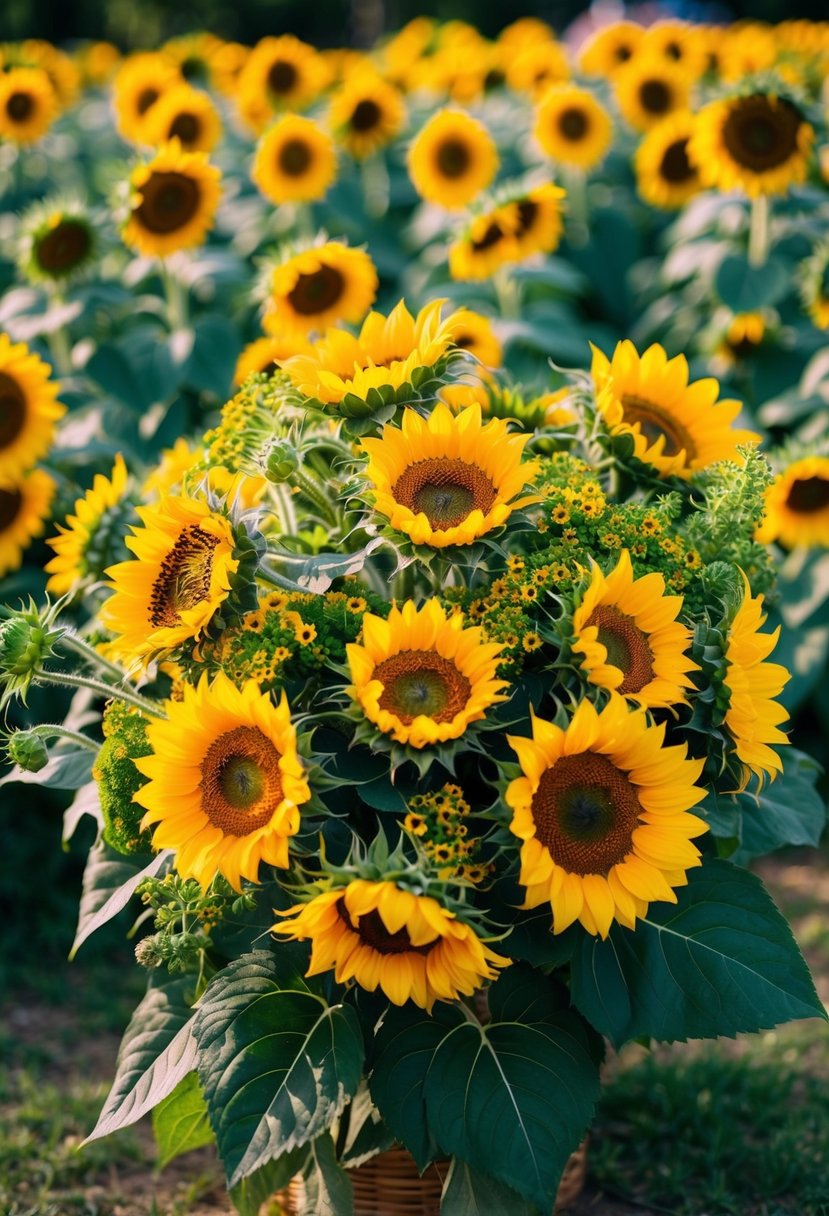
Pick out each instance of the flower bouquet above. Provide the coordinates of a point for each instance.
(435, 744)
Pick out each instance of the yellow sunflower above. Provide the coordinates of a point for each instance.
(602, 813)
(680, 44)
(449, 478)
(676, 426)
(295, 161)
(753, 716)
(509, 232)
(28, 408)
(282, 74)
(420, 676)
(666, 176)
(366, 113)
(609, 48)
(797, 505)
(383, 936)
(759, 144)
(647, 90)
(533, 69)
(452, 159)
(185, 114)
(24, 509)
(573, 127)
(386, 353)
(627, 632)
(28, 104)
(225, 781)
(474, 333)
(173, 464)
(73, 544)
(266, 354)
(174, 201)
(141, 81)
(318, 287)
(539, 220)
(184, 558)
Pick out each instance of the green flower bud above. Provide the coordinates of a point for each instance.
(118, 778)
(27, 749)
(282, 462)
(27, 639)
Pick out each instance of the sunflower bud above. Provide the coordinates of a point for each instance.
(26, 641)
(26, 749)
(282, 462)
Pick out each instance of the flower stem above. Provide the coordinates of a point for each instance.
(758, 231)
(65, 679)
(47, 731)
(508, 293)
(75, 642)
(175, 294)
(575, 182)
(374, 177)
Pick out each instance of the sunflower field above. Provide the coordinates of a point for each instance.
(414, 533)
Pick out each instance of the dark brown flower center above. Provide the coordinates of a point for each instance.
(365, 115)
(371, 929)
(657, 423)
(146, 100)
(673, 51)
(626, 645)
(453, 158)
(585, 811)
(419, 682)
(573, 123)
(20, 106)
(11, 503)
(655, 96)
(282, 77)
(760, 134)
(184, 578)
(241, 784)
(808, 495)
(187, 127)
(294, 157)
(168, 202)
(622, 53)
(675, 166)
(317, 292)
(491, 237)
(527, 214)
(446, 490)
(64, 247)
(12, 410)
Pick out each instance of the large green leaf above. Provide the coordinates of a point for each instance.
(157, 1051)
(109, 882)
(276, 1062)
(719, 961)
(468, 1192)
(366, 1134)
(65, 770)
(788, 810)
(180, 1122)
(327, 1186)
(404, 1047)
(744, 288)
(249, 1194)
(513, 1099)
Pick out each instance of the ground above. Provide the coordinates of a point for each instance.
(723, 1129)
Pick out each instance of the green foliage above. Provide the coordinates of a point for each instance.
(109, 882)
(118, 779)
(180, 1122)
(747, 288)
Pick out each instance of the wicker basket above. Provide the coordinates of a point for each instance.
(389, 1185)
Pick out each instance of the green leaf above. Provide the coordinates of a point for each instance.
(404, 1047)
(367, 1134)
(467, 1192)
(276, 1062)
(788, 810)
(180, 1122)
(249, 1194)
(745, 288)
(66, 770)
(327, 1186)
(109, 882)
(532, 940)
(213, 356)
(514, 1099)
(719, 961)
(156, 1053)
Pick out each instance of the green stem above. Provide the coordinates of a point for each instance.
(304, 221)
(313, 488)
(65, 679)
(508, 293)
(274, 579)
(46, 731)
(75, 642)
(374, 177)
(175, 295)
(283, 500)
(576, 203)
(759, 231)
(60, 349)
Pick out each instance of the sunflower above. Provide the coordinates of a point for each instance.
(452, 159)
(420, 676)
(387, 353)
(173, 465)
(533, 69)
(295, 161)
(174, 201)
(602, 811)
(184, 558)
(609, 48)
(366, 113)
(679, 44)
(81, 549)
(449, 478)
(28, 104)
(474, 333)
(141, 81)
(282, 74)
(627, 632)
(57, 241)
(514, 229)
(382, 936)
(572, 127)
(24, 509)
(759, 144)
(265, 355)
(797, 505)
(185, 114)
(648, 90)
(676, 426)
(317, 287)
(28, 408)
(666, 176)
(225, 781)
(753, 716)
(539, 223)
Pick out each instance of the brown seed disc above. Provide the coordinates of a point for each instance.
(11, 502)
(12, 410)
(294, 157)
(241, 785)
(446, 490)
(527, 215)
(184, 578)
(20, 106)
(168, 202)
(626, 645)
(187, 127)
(808, 495)
(317, 292)
(491, 237)
(366, 115)
(675, 166)
(655, 96)
(585, 811)
(282, 76)
(655, 422)
(422, 682)
(371, 929)
(453, 158)
(760, 135)
(146, 100)
(573, 123)
(63, 247)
